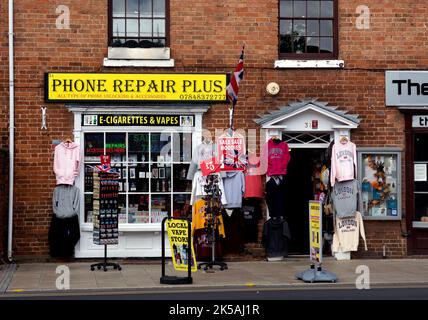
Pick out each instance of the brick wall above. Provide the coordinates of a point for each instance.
(3, 202)
(205, 37)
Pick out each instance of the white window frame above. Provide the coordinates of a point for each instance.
(79, 130)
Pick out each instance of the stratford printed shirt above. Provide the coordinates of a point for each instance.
(347, 234)
(343, 162)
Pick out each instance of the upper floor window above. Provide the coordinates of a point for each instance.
(308, 29)
(138, 23)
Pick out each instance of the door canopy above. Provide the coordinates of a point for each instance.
(308, 115)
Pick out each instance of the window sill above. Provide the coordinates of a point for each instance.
(383, 218)
(309, 64)
(420, 225)
(139, 63)
(149, 227)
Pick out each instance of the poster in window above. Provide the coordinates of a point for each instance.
(162, 173)
(161, 160)
(420, 172)
(155, 173)
(116, 158)
(132, 173)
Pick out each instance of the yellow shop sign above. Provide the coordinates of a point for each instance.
(163, 87)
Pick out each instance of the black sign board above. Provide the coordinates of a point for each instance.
(120, 120)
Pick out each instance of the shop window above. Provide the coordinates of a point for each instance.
(138, 23)
(380, 180)
(308, 29)
(420, 177)
(152, 171)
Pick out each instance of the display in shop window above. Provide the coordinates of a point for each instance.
(379, 189)
(145, 188)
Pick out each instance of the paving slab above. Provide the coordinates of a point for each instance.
(42, 276)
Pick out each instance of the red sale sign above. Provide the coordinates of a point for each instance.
(209, 166)
(232, 152)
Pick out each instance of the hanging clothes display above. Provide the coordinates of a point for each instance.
(64, 233)
(198, 188)
(234, 188)
(347, 233)
(275, 193)
(276, 235)
(64, 230)
(207, 222)
(252, 213)
(204, 151)
(277, 155)
(66, 201)
(199, 219)
(253, 178)
(346, 198)
(66, 162)
(343, 161)
(234, 227)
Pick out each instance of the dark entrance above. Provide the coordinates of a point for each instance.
(302, 182)
(417, 196)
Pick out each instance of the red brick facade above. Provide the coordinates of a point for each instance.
(205, 37)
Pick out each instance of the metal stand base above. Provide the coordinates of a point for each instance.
(211, 264)
(175, 280)
(105, 264)
(316, 275)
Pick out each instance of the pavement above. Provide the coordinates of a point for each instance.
(42, 277)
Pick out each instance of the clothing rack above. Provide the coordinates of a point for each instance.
(213, 199)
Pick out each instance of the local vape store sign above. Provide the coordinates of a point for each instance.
(77, 87)
(406, 88)
(102, 120)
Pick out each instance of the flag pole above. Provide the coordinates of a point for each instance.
(231, 114)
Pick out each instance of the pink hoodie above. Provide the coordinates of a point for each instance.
(66, 162)
(343, 162)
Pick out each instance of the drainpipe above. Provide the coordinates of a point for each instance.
(11, 132)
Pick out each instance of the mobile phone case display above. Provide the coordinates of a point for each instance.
(105, 209)
(379, 185)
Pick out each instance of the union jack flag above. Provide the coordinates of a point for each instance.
(235, 80)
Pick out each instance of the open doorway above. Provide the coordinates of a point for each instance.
(302, 185)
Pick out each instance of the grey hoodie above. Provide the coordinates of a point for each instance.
(234, 188)
(65, 201)
(346, 198)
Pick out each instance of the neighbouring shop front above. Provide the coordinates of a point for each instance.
(311, 128)
(148, 125)
(408, 90)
